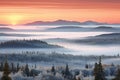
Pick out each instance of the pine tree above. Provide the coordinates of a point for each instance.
(53, 70)
(117, 77)
(86, 66)
(100, 72)
(26, 71)
(12, 67)
(95, 71)
(67, 72)
(1, 66)
(18, 67)
(6, 72)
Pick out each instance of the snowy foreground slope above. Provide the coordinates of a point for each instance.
(40, 66)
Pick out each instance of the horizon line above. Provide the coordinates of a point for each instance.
(58, 20)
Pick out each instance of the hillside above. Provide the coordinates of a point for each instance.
(67, 29)
(112, 35)
(84, 29)
(16, 35)
(27, 44)
(105, 28)
(6, 29)
(104, 39)
(3, 25)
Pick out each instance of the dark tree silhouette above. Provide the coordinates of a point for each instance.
(86, 66)
(1, 66)
(26, 70)
(67, 73)
(6, 72)
(95, 71)
(18, 67)
(53, 70)
(117, 77)
(99, 75)
(12, 68)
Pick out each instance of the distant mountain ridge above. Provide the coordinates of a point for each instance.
(67, 29)
(92, 23)
(83, 29)
(63, 22)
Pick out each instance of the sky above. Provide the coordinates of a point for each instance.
(23, 11)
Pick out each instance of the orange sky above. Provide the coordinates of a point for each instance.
(22, 11)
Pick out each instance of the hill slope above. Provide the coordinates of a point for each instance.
(27, 44)
(104, 39)
(67, 29)
(6, 29)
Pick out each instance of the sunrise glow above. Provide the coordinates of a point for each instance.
(14, 19)
(20, 12)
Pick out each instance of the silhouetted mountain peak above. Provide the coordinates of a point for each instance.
(64, 22)
(89, 22)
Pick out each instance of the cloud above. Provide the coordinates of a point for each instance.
(114, 4)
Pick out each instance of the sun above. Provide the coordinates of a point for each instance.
(14, 19)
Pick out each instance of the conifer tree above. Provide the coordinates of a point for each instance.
(18, 67)
(35, 66)
(67, 72)
(6, 72)
(86, 66)
(12, 68)
(100, 72)
(26, 71)
(53, 70)
(95, 71)
(117, 77)
(1, 66)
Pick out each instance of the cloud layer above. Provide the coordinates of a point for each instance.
(113, 4)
